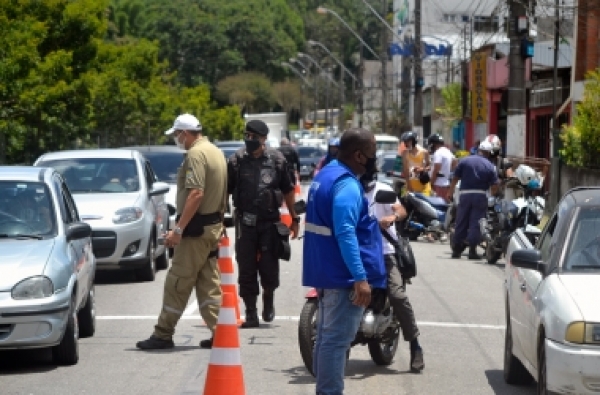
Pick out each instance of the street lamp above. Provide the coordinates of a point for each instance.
(299, 74)
(295, 60)
(313, 43)
(323, 11)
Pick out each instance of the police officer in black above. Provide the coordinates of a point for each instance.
(259, 181)
(291, 156)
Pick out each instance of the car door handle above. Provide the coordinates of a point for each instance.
(523, 286)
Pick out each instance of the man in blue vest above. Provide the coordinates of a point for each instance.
(343, 256)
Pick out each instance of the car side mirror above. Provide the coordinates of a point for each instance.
(529, 258)
(159, 188)
(78, 230)
(386, 197)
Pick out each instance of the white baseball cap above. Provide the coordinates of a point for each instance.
(185, 122)
(486, 145)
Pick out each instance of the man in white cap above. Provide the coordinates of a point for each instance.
(201, 199)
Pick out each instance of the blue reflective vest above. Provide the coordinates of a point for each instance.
(323, 264)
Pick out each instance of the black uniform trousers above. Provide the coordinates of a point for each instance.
(256, 254)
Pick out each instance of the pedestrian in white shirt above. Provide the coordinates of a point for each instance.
(387, 215)
(443, 163)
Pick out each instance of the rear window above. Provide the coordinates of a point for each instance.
(310, 152)
(165, 165)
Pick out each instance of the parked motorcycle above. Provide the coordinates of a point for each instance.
(379, 329)
(524, 212)
(425, 215)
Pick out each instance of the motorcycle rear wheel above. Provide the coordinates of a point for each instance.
(382, 353)
(307, 332)
(491, 255)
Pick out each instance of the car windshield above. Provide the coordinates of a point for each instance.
(387, 164)
(583, 252)
(165, 165)
(97, 175)
(26, 210)
(310, 152)
(387, 145)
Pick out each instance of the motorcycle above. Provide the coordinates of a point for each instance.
(379, 329)
(524, 212)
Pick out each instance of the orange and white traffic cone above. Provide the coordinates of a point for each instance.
(225, 375)
(297, 189)
(228, 282)
(284, 215)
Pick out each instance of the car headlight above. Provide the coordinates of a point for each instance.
(33, 288)
(126, 215)
(583, 333)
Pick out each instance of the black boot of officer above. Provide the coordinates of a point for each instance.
(268, 313)
(251, 320)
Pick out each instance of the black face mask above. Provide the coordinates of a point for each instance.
(252, 145)
(371, 165)
(367, 180)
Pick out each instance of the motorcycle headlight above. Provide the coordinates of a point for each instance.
(127, 214)
(33, 288)
(583, 333)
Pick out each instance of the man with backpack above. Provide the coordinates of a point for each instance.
(387, 215)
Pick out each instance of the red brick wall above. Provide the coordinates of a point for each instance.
(588, 38)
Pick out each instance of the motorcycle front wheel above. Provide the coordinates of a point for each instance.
(491, 255)
(383, 349)
(307, 332)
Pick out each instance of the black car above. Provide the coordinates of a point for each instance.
(309, 159)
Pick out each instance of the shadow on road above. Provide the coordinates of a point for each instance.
(496, 380)
(21, 362)
(364, 369)
(298, 375)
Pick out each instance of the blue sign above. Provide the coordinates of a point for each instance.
(396, 49)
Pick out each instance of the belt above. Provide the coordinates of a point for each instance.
(240, 214)
(205, 219)
(465, 191)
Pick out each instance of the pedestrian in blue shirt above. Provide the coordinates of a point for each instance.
(476, 174)
(343, 256)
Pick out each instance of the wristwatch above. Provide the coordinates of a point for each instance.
(296, 220)
(178, 230)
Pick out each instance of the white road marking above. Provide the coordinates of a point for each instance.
(297, 318)
(189, 310)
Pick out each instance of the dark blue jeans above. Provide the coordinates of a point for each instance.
(471, 208)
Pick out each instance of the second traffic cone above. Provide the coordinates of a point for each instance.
(228, 283)
(297, 189)
(284, 215)
(225, 375)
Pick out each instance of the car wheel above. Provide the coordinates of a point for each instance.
(87, 315)
(67, 351)
(514, 371)
(162, 261)
(542, 385)
(148, 272)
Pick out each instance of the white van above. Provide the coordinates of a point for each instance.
(386, 143)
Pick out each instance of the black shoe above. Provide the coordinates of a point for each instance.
(251, 320)
(473, 254)
(268, 313)
(155, 343)
(206, 343)
(416, 360)
(456, 254)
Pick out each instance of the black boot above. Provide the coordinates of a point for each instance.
(251, 313)
(457, 251)
(473, 253)
(268, 313)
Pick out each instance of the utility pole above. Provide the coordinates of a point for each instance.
(327, 101)
(555, 161)
(384, 61)
(341, 120)
(418, 71)
(361, 82)
(516, 126)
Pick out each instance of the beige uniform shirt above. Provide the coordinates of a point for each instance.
(204, 167)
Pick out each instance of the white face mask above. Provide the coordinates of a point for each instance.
(179, 144)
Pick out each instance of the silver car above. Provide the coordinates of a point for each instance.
(47, 265)
(116, 192)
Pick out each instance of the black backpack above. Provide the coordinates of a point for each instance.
(407, 265)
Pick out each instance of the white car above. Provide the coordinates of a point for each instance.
(552, 307)
(116, 192)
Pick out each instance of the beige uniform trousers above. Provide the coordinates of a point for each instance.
(192, 268)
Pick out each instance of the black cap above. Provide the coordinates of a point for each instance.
(258, 127)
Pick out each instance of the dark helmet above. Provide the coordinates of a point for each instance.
(409, 136)
(435, 139)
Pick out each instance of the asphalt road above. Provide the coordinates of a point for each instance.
(459, 307)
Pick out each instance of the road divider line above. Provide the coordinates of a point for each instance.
(458, 325)
(189, 310)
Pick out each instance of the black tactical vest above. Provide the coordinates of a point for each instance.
(257, 186)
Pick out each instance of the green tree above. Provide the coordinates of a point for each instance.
(581, 140)
(288, 95)
(249, 89)
(451, 111)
